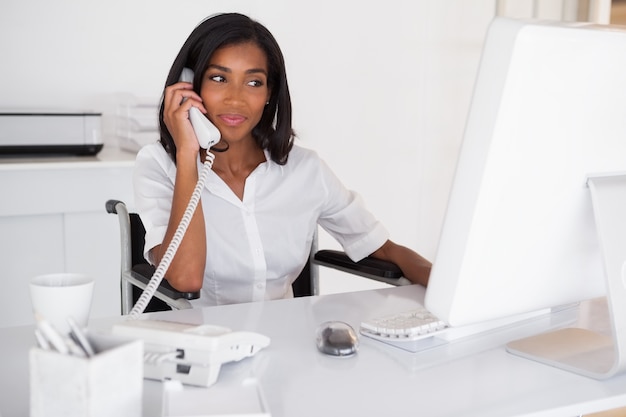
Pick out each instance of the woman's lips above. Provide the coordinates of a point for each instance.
(232, 119)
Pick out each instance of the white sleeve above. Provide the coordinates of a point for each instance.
(345, 217)
(153, 184)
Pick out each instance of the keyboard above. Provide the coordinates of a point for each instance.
(413, 329)
(417, 329)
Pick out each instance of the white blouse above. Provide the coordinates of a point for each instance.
(257, 247)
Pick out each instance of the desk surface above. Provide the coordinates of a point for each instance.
(471, 377)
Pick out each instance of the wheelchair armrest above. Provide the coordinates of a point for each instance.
(369, 267)
(143, 273)
(111, 206)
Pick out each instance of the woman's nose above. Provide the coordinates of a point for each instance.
(234, 94)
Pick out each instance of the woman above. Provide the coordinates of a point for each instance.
(252, 231)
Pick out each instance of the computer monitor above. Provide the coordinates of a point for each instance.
(519, 234)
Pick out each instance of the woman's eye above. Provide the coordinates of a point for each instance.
(256, 83)
(217, 78)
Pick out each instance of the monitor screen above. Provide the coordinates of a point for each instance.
(549, 108)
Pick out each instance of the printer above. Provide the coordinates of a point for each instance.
(50, 132)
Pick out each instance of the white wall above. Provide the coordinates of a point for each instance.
(380, 89)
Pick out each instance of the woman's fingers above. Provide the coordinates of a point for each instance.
(178, 99)
(177, 94)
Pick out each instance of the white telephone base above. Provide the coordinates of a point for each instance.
(189, 353)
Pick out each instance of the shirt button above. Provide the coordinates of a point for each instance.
(260, 286)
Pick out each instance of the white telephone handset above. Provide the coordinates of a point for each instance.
(206, 132)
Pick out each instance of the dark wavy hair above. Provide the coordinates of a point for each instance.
(274, 131)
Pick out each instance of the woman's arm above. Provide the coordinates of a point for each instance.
(414, 267)
(186, 272)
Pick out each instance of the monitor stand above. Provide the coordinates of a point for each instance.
(580, 350)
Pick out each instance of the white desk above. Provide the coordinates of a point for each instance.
(476, 377)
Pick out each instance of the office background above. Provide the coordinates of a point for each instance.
(380, 89)
(381, 92)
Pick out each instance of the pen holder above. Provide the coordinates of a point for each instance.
(110, 383)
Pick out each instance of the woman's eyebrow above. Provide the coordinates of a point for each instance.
(219, 68)
(250, 71)
(257, 70)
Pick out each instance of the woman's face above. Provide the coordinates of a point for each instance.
(234, 89)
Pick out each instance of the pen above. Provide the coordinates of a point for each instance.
(52, 336)
(74, 348)
(77, 335)
(42, 342)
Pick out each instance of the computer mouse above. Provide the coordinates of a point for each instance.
(337, 338)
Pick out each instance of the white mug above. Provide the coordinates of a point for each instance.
(55, 297)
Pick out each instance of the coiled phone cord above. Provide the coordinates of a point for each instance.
(158, 275)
